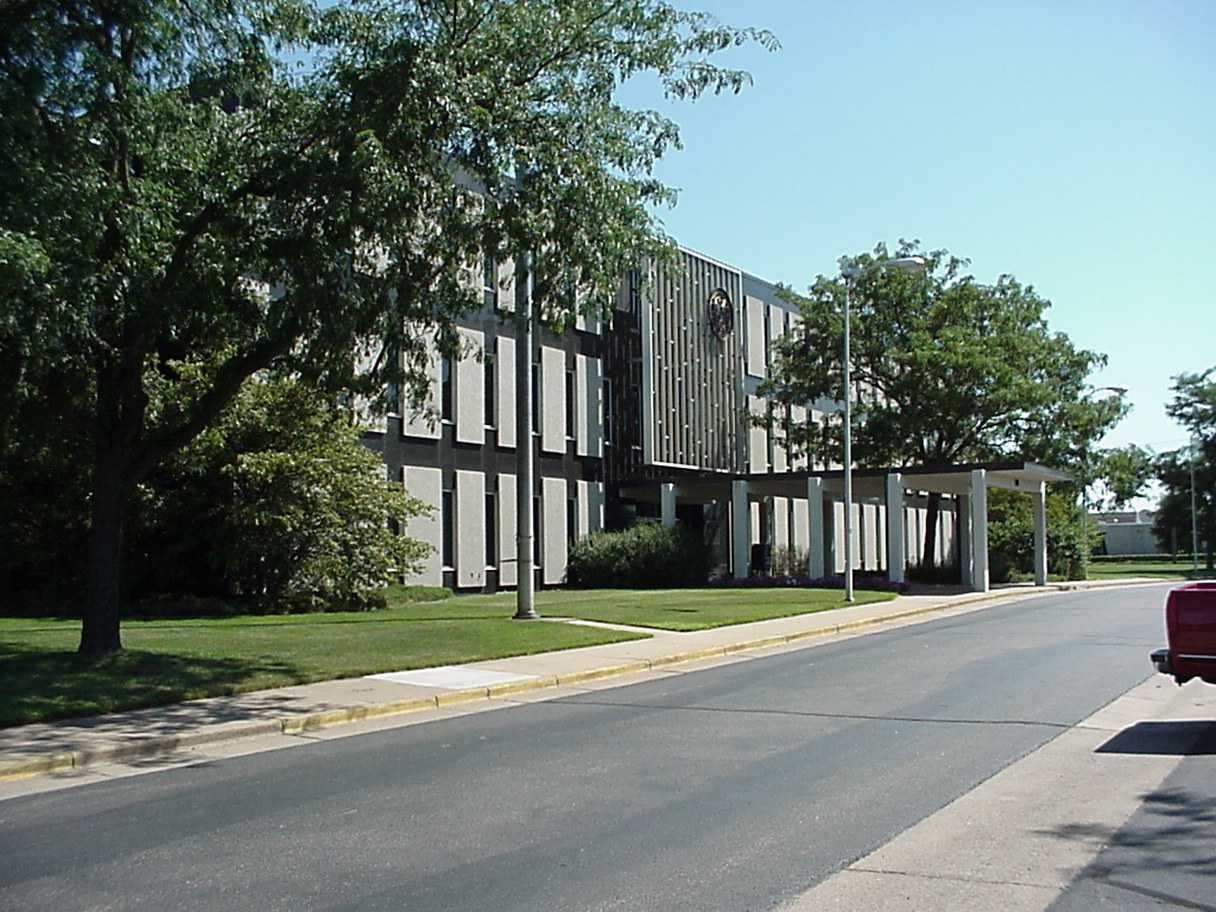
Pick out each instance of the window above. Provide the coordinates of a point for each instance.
(535, 399)
(489, 281)
(490, 382)
(449, 530)
(571, 520)
(569, 405)
(768, 336)
(491, 531)
(445, 389)
(536, 530)
(609, 413)
(770, 439)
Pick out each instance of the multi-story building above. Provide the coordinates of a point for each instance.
(644, 414)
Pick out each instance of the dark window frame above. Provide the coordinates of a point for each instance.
(447, 390)
(447, 510)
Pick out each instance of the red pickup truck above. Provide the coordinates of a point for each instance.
(1190, 626)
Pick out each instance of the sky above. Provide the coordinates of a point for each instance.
(1072, 145)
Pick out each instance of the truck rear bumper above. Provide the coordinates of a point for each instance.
(1161, 661)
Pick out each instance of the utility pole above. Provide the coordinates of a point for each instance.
(1194, 513)
(525, 606)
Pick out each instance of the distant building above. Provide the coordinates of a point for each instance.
(1126, 532)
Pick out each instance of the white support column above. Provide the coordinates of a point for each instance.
(667, 504)
(895, 527)
(814, 503)
(740, 527)
(979, 530)
(1039, 499)
(965, 567)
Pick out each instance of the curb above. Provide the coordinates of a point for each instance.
(62, 761)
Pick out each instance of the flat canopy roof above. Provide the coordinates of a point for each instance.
(941, 479)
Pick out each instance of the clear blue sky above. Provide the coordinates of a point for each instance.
(1070, 144)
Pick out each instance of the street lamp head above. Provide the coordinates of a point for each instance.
(906, 264)
(909, 264)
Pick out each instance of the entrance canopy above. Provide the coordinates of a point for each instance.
(966, 483)
(939, 479)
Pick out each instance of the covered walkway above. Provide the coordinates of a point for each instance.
(964, 489)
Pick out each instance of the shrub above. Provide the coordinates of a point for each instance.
(937, 574)
(646, 555)
(790, 561)
(860, 581)
(277, 506)
(1011, 536)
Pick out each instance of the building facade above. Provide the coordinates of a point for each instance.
(647, 413)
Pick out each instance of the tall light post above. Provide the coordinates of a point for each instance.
(851, 274)
(1118, 391)
(1194, 512)
(525, 603)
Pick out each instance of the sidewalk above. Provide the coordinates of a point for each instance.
(77, 743)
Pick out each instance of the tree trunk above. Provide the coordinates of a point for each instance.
(932, 512)
(99, 634)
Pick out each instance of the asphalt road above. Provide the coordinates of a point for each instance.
(728, 789)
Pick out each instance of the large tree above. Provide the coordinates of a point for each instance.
(1190, 469)
(247, 185)
(946, 370)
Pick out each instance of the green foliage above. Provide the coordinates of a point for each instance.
(1191, 469)
(946, 370)
(1011, 535)
(1172, 523)
(1125, 471)
(646, 555)
(1194, 403)
(177, 186)
(949, 369)
(277, 505)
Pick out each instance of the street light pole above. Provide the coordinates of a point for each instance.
(1194, 512)
(852, 273)
(525, 603)
(848, 458)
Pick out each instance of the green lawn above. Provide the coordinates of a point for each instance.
(167, 661)
(678, 609)
(1132, 568)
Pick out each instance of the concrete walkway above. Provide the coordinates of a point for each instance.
(74, 744)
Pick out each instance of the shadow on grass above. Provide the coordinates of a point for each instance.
(41, 685)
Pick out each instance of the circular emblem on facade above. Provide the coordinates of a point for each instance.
(721, 313)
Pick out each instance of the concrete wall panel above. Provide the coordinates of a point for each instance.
(425, 423)
(757, 438)
(553, 400)
(756, 366)
(781, 522)
(508, 565)
(427, 486)
(471, 388)
(553, 502)
(504, 394)
(470, 530)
